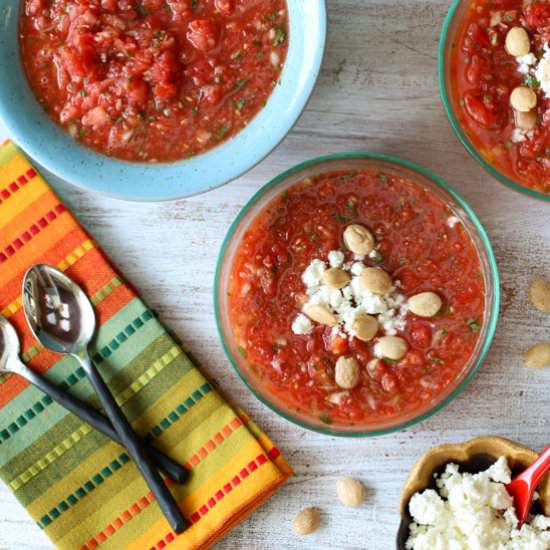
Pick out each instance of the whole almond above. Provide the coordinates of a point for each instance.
(335, 278)
(365, 327)
(346, 373)
(517, 42)
(523, 99)
(391, 347)
(538, 356)
(375, 280)
(307, 521)
(351, 492)
(320, 314)
(539, 294)
(425, 304)
(359, 239)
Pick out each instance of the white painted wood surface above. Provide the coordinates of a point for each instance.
(378, 91)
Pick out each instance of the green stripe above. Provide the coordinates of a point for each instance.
(177, 413)
(72, 499)
(94, 441)
(29, 404)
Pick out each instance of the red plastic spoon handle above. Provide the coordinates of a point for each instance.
(533, 474)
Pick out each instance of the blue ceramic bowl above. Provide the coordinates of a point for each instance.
(53, 148)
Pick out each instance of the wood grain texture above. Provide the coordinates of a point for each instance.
(377, 91)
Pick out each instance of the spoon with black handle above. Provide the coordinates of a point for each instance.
(62, 318)
(11, 363)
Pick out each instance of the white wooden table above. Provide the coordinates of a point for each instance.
(378, 91)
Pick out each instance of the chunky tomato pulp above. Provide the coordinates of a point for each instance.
(419, 243)
(153, 80)
(483, 75)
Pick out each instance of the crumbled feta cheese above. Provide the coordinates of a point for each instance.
(356, 268)
(519, 135)
(542, 72)
(452, 221)
(472, 512)
(302, 325)
(312, 275)
(373, 254)
(338, 397)
(525, 62)
(336, 258)
(352, 301)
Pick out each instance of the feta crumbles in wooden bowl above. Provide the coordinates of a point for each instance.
(455, 499)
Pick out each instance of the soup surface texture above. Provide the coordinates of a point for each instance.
(153, 80)
(331, 332)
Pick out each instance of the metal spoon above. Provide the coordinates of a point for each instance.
(62, 319)
(10, 363)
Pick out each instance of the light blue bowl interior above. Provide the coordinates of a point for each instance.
(50, 146)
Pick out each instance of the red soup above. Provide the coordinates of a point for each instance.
(356, 297)
(153, 80)
(500, 75)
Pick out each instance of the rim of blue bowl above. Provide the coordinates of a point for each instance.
(447, 104)
(179, 170)
(494, 276)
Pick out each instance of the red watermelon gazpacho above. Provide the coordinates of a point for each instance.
(500, 83)
(153, 80)
(356, 297)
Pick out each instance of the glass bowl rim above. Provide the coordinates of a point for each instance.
(493, 275)
(446, 100)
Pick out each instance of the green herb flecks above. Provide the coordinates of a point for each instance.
(222, 131)
(474, 325)
(340, 217)
(391, 362)
(142, 10)
(531, 81)
(240, 104)
(240, 84)
(280, 36)
(325, 418)
(242, 352)
(377, 257)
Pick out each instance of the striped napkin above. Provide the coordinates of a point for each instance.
(78, 486)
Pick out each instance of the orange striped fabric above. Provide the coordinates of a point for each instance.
(79, 487)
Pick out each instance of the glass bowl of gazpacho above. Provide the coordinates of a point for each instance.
(494, 77)
(356, 294)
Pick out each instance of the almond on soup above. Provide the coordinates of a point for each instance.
(356, 297)
(153, 80)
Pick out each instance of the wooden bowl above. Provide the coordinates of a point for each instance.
(473, 456)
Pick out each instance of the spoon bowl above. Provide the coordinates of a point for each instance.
(57, 310)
